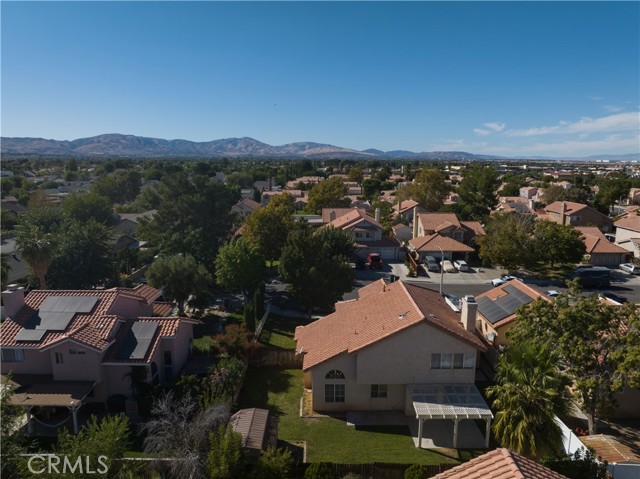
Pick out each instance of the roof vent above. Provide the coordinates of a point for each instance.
(402, 315)
(470, 298)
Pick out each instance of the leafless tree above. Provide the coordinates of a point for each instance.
(180, 429)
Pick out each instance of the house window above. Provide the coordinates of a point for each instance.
(76, 352)
(469, 360)
(12, 355)
(334, 374)
(441, 361)
(458, 360)
(334, 393)
(59, 358)
(379, 391)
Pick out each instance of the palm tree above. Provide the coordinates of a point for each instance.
(530, 391)
(37, 249)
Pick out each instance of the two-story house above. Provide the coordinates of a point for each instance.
(628, 233)
(577, 214)
(396, 347)
(64, 348)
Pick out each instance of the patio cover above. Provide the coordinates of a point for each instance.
(449, 401)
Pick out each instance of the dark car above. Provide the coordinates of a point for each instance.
(374, 261)
(594, 277)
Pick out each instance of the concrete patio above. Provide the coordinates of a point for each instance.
(437, 433)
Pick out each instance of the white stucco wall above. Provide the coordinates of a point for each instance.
(623, 239)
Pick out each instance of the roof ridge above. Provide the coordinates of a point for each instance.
(413, 302)
(511, 462)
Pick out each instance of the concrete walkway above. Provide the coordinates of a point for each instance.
(437, 433)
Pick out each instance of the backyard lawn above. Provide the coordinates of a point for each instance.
(330, 439)
(279, 331)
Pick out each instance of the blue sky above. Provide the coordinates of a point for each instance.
(505, 78)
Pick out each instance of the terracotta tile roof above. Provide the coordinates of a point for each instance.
(163, 308)
(354, 217)
(474, 226)
(438, 221)
(499, 292)
(384, 242)
(434, 242)
(337, 212)
(388, 309)
(99, 323)
(597, 243)
(403, 206)
(149, 293)
(630, 222)
(500, 464)
(608, 448)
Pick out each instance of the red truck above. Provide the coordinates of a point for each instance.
(374, 261)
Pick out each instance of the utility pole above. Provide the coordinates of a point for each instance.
(441, 268)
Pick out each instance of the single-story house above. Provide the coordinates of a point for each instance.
(600, 250)
(628, 233)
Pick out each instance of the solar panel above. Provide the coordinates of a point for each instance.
(523, 297)
(509, 304)
(69, 304)
(30, 334)
(490, 310)
(137, 340)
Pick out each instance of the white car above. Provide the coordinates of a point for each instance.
(630, 268)
(461, 265)
(502, 280)
(448, 267)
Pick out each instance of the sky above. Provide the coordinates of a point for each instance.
(505, 78)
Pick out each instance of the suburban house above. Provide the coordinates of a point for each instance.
(447, 224)
(366, 231)
(300, 199)
(128, 222)
(600, 250)
(628, 233)
(402, 232)
(439, 246)
(500, 463)
(396, 347)
(514, 204)
(405, 209)
(529, 192)
(305, 180)
(245, 207)
(497, 309)
(65, 348)
(576, 214)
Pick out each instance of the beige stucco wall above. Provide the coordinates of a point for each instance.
(84, 367)
(130, 307)
(115, 381)
(623, 239)
(35, 362)
(404, 358)
(486, 327)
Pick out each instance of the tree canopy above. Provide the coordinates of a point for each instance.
(268, 227)
(88, 206)
(508, 241)
(429, 189)
(240, 266)
(330, 193)
(598, 345)
(477, 192)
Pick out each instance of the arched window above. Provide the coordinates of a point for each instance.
(334, 374)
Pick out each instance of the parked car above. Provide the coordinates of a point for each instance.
(594, 277)
(431, 264)
(461, 265)
(630, 268)
(502, 280)
(374, 261)
(448, 267)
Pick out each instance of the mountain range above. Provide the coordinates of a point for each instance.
(113, 145)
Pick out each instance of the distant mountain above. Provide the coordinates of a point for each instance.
(112, 145)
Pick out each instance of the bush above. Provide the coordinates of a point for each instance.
(273, 464)
(318, 470)
(417, 471)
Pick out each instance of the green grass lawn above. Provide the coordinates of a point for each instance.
(203, 333)
(279, 331)
(329, 439)
(559, 271)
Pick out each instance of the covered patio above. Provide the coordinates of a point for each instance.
(42, 391)
(455, 402)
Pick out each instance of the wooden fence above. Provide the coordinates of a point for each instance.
(376, 470)
(283, 358)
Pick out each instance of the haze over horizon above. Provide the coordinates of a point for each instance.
(554, 79)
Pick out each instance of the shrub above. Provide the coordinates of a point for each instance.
(318, 470)
(417, 471)
(273, 464)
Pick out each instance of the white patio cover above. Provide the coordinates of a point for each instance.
(449, 401)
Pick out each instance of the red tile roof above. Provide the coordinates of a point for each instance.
(474, 226)
(354, 217)
(434, 242)
(630, 222)
(500, 464)
(163, 308)
(608, 448)
(93, 329)
(596, 242)
(438, 221)
(388, 309)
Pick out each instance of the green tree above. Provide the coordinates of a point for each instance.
(318, 470)
(83, 257)
(598, 344)
(336, 243)
(225, 459)
(611, 190)
(10, 432)
(120, 187)
(273, 464)
(108, 437)
(371, 188)
(179, 276)
(241, 267)
(428, 189)
(529, 393)
(508, 241)
(356, 174)
(477, 192)
(315, 277)
(582, 464)
(554, 243)
(330, 193)
(235, 341)
(86, 206)
(193, 217)
(269, 227)
(36, 240)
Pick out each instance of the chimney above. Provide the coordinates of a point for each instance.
(332, 215)
(415, 222)
(271, 183)
(563, 213)
(13, 300)
(469, 310)
(378, 215)
(532, 204)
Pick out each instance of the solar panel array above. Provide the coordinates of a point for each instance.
(55, 314)
(137, 340)
(502, 307)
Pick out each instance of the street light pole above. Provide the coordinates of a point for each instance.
(441, 268)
